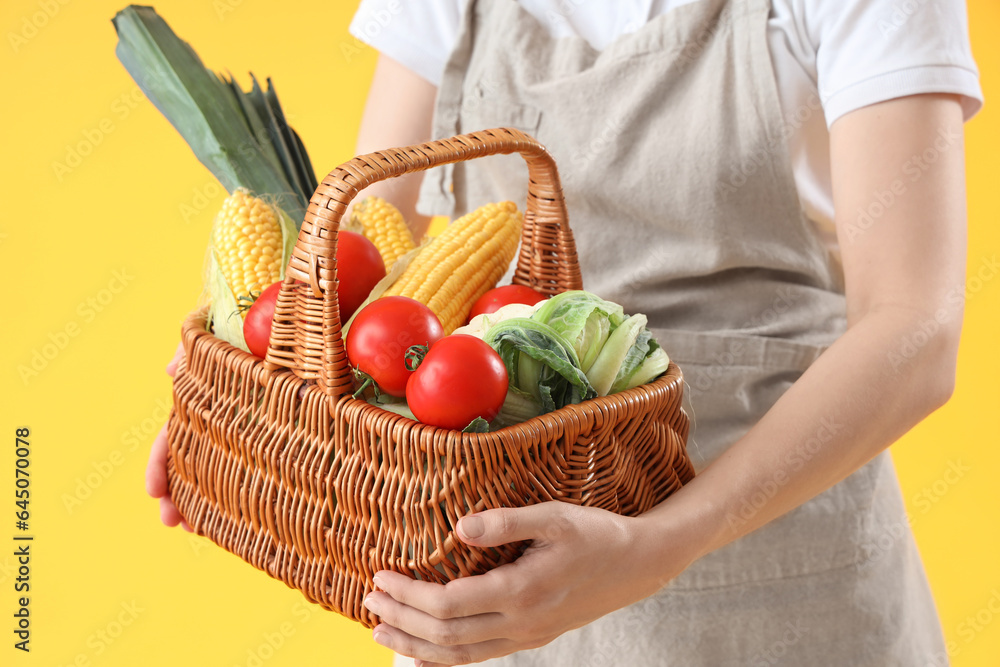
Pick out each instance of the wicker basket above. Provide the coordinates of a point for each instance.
(274, 461)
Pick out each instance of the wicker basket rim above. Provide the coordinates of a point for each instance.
(672, 376)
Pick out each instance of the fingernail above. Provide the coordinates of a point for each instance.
(371, 603)
(378, 582)
(472, 526)
(382, 638)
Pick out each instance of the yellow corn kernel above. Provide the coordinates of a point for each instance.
(464, 262)
(247, 241)
(382, 224)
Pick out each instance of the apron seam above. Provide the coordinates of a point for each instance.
(764, 581)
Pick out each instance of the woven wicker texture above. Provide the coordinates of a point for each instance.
(275, 462)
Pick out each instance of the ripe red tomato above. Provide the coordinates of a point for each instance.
(382, 332)
(498, 297)
(359, 268)
(459, 379)
(257, 324)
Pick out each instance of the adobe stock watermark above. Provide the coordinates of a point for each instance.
(8, 568)
(780, 477)
(783, 299)
(199, 543)
(599, 143)
(912, 171)
(744, 169)
(635, 622)
(87, 311)
(264, 649)
(924, 500)
(75, 153)
(32, 24)
(558, 17)
(775, 652)
(967, 630)
(201, 198)
(225, 7)
(105, 636)
(911, 344)
(900, 15)
(693, 48)
(102, 469)
(482, 96)
(380, 19)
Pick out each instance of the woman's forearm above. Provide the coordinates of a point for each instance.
(398, 112)
(853, 402)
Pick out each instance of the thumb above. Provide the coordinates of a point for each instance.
(502, 526)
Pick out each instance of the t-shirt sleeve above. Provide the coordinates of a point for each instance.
(418, 34)
(870, 51)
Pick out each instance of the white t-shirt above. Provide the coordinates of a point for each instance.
(840, 54)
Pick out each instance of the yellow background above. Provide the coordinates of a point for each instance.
(110, 585)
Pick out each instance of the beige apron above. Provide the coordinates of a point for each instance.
(671, 148)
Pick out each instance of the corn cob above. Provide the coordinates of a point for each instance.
(463, 263)
(382, 224)
(247, 241)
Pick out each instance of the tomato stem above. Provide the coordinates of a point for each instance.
(414, 355)
(366, 381)
(245, 301)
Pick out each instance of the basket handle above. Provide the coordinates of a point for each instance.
(305, 334)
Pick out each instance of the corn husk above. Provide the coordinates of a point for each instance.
(223, 303)
(223, 312)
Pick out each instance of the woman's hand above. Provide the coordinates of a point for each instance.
(156, 469)
(582, 563)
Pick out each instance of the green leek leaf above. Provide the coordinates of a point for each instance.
(205, 109)
(275, 138)
(299, 170)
